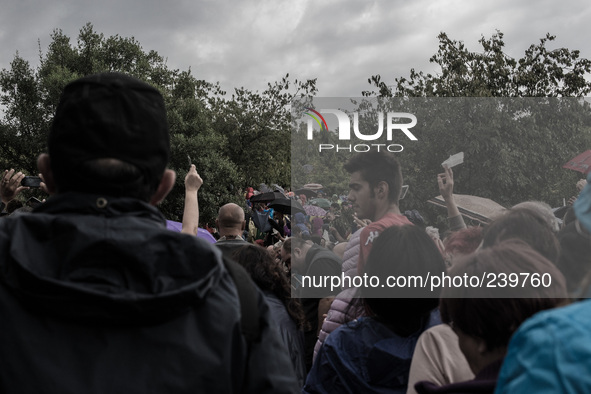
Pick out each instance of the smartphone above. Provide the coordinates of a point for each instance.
(31, 181)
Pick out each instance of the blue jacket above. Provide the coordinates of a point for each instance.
(292, 337)
(364, 356)
(550, 353)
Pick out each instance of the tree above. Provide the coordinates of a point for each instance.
(311, 166)
(235, 141)
(492, 73)
(515, 153)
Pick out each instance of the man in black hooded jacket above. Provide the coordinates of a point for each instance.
(96, 295)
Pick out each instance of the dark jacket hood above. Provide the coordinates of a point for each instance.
(104, 260)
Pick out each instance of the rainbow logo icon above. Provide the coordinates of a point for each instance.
(322, 125)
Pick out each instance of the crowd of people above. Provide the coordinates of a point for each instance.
(97, 295)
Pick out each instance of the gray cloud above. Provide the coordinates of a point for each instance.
(251, 43)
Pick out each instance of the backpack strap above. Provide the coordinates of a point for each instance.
(248, 295)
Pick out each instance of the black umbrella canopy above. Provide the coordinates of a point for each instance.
(287, 206)
(268, 197)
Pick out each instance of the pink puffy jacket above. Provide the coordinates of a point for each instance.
(341, 311)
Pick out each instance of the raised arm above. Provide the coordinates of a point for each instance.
(10, 187)
(191, 212)
(446, 188)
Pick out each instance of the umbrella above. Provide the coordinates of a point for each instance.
(278, 188)
(580, 163)
(313, 186)
(313, 210)
(286, 206)
(261, 220)
(201, 233)
(321, 202)
(268, 197)
(477, 208)
(306, 192)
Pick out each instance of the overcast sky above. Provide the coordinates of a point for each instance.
(342, 43)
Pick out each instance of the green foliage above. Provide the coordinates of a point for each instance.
(235, 142)
(492, 73)
(311, 166)
(513, 154)
(25, 116)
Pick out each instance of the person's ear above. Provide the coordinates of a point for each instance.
(381, 190)
(243, 225)
(165, 186)
(44, 166)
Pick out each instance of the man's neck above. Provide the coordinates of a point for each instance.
(230, 237)
(386, 209)
(230, 233)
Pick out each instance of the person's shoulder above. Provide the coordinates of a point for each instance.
(343, 334)
(273, 300)
(359, 335)
(440, 333)
(394, 219)
(439, 342)
(549, 352)
(554, 332)
(373, 226)
(231, 241)
(361, 323)
(388, 220)
(278, 311)
(567, 317)
(229, 245)
(369, 232)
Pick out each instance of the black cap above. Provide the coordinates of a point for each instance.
(109, 115)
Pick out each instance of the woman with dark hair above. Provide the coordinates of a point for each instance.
(373, 353)
(286, 311)
(485, 318)
(438, 358)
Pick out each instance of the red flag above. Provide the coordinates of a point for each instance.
(580, 163)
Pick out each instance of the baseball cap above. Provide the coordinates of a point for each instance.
(108, 115)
